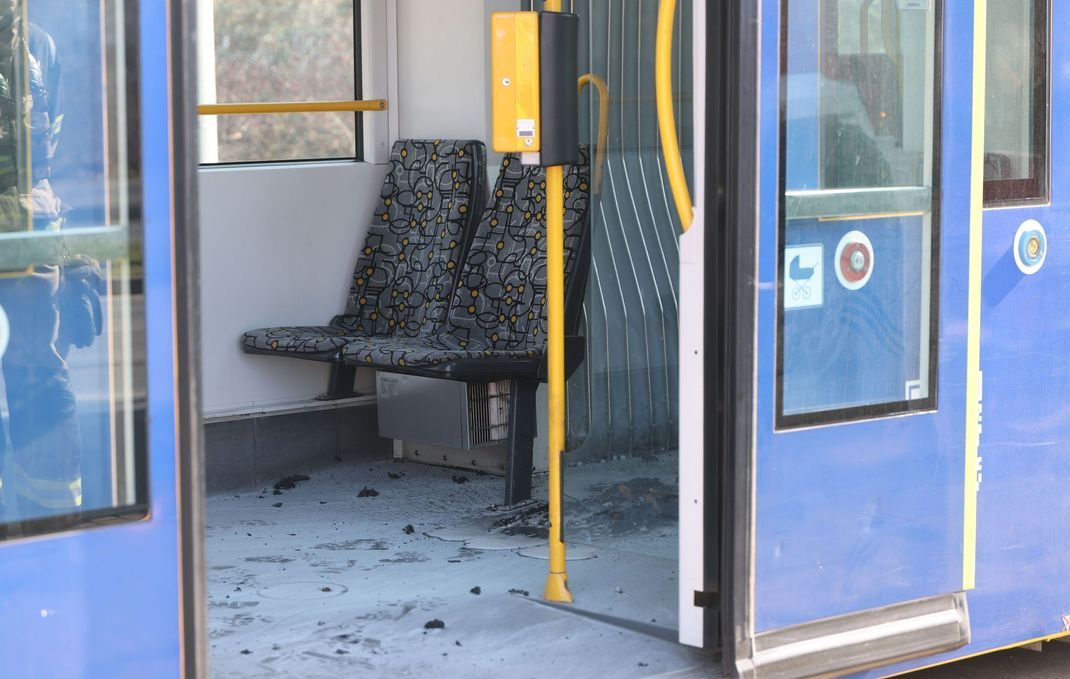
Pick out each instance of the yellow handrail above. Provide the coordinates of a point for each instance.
(291, 107)
(603, 124)
(670, 144)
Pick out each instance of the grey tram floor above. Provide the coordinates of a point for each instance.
(329, 584)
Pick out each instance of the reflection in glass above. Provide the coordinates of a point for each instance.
(857, 285)
(70, 359)
(1016, 90)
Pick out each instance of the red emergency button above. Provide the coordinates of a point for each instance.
(854, 260)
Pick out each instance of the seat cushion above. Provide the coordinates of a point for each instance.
(431, 198)
(415, 352)
(501, 294)
(310, 341)
(430, 201)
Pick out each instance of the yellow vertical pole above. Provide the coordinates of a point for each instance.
(557, 578)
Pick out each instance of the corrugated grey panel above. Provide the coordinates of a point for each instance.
(629, 384)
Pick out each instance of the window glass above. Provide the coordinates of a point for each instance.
(278, 51)
(1016, 109)
(857, 289)
(72, 339)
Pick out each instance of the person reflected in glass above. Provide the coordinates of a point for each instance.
(41, 473)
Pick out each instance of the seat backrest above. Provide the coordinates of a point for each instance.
(428, 209)
(501, 294)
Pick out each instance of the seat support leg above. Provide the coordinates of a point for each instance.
(522, 425)
(340, 383)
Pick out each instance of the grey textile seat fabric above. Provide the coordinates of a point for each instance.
(430, 200)
(497, 310)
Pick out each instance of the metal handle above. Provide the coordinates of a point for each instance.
(291, 107)
(603, 124)
(670, 144)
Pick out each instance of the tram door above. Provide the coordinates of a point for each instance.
(858, 520)
(95, 401)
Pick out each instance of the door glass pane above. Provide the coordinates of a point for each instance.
(1016, 110)
(857, 298)
(71, 303)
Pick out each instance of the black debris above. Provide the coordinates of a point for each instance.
(249, 534)
(368, 492)
(453, 560)
(323, 502)
(237, 589)
(434, 624)
(325, 589)
(456, 643)
(408, 530)
(259, 497)
(276, 492)
(341, 651)
(276, 647)
(532, 520)
(643, 664)
(320, 623)
(476, 590)
(289, 482)
(458, 478)
(245, 651)
(522, 592)
(393, 475)
(277, 504)
(638, 505)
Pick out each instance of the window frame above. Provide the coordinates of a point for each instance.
(1035, 189)
(358, 94)
(849, 414)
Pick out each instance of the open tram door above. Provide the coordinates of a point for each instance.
(100, 498)
(830, 334)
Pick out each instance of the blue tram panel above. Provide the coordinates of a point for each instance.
(850, 348)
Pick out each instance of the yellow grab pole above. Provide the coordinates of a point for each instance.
(670, 144)
(557, 578)
(603, 124)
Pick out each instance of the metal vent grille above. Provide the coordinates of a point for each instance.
(488, 412)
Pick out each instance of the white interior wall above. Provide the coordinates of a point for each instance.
(278, 242)
(278, 245)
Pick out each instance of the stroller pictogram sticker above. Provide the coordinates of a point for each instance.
(804, 278)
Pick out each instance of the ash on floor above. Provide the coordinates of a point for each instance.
(330, 584)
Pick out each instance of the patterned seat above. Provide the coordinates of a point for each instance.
(497, 311)
(408, 265)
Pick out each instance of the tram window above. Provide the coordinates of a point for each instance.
(1016, 103)
(279, 51)
(857, 288)
(72, 312)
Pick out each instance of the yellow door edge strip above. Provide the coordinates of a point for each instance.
(291, 107)
(670, 144)
(973, 313)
